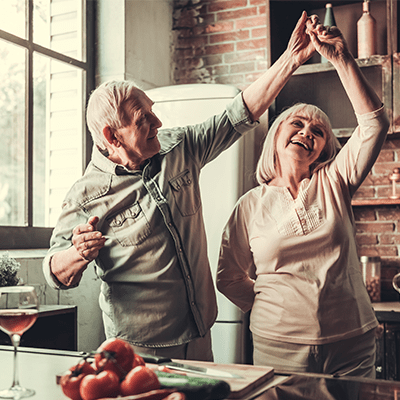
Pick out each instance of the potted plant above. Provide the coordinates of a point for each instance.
(9, 268)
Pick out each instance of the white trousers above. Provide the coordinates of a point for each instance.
(351, 357)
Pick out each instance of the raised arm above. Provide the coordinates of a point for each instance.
(261, 93)
(331, 44)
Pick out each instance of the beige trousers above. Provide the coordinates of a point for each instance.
(350, 357)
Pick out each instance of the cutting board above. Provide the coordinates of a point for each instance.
(252, 376)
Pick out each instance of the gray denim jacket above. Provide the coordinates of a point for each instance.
(157, 288)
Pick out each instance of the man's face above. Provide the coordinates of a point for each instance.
(139, 139)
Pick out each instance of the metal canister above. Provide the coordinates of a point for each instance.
(371, 272)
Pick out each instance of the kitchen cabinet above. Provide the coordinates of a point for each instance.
(388, 341)
(317, 82)
(55, 328)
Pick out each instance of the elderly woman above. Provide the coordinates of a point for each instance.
(288, 251)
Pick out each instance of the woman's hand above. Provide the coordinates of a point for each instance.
(328, 41)
(300, 46)
(261, 93)
(331, 44)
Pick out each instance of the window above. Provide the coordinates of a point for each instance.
(46, 73)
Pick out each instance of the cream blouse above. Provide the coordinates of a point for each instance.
(294, 262)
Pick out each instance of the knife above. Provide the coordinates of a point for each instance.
(167, 362)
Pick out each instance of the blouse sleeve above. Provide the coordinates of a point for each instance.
(236, 262)
(356, 158)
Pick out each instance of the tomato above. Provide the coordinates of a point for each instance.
(83, 367)
(94, 366)
(71, 380)
(176, 396)
(140, 379)
(115, 355)
(137, 360)
(104, 384)
(70, 385)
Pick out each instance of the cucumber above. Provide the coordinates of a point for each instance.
(193, 387)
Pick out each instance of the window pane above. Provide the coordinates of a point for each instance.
(12, 128)
(58, 25)
(12, 17)
(41, 29)
(58, 135)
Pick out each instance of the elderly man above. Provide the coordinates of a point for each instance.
(136, 212)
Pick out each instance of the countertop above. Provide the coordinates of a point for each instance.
(38, 369)
(387, 306)
(387, 312)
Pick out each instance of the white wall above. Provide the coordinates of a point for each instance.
(133, 41)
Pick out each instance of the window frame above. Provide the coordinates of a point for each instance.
(28, 236)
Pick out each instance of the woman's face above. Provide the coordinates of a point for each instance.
(300, 139)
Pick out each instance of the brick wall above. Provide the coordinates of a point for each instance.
(219, 41)
(224, 41)
(378, 227)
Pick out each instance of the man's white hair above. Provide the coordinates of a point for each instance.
(105, 108)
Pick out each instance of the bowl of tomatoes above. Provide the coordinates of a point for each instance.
(114, 370)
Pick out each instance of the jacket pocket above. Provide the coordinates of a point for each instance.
(130, 226)
(186, 193)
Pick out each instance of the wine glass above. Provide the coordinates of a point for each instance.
(18, 312)
(396, 282)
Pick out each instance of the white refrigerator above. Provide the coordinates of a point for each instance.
(222, 182)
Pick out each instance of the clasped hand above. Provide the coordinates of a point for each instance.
(329, 42)
(310, 35)
(87, 241)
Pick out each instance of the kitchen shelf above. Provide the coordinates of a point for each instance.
(387, 311)
(375, 202)
(373, 61)
(318, 83)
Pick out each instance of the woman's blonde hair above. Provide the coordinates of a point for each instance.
(267, 164)
(107, 107)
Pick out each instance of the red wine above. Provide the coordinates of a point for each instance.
(17, 321)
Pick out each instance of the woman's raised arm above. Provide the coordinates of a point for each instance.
(331, 44)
